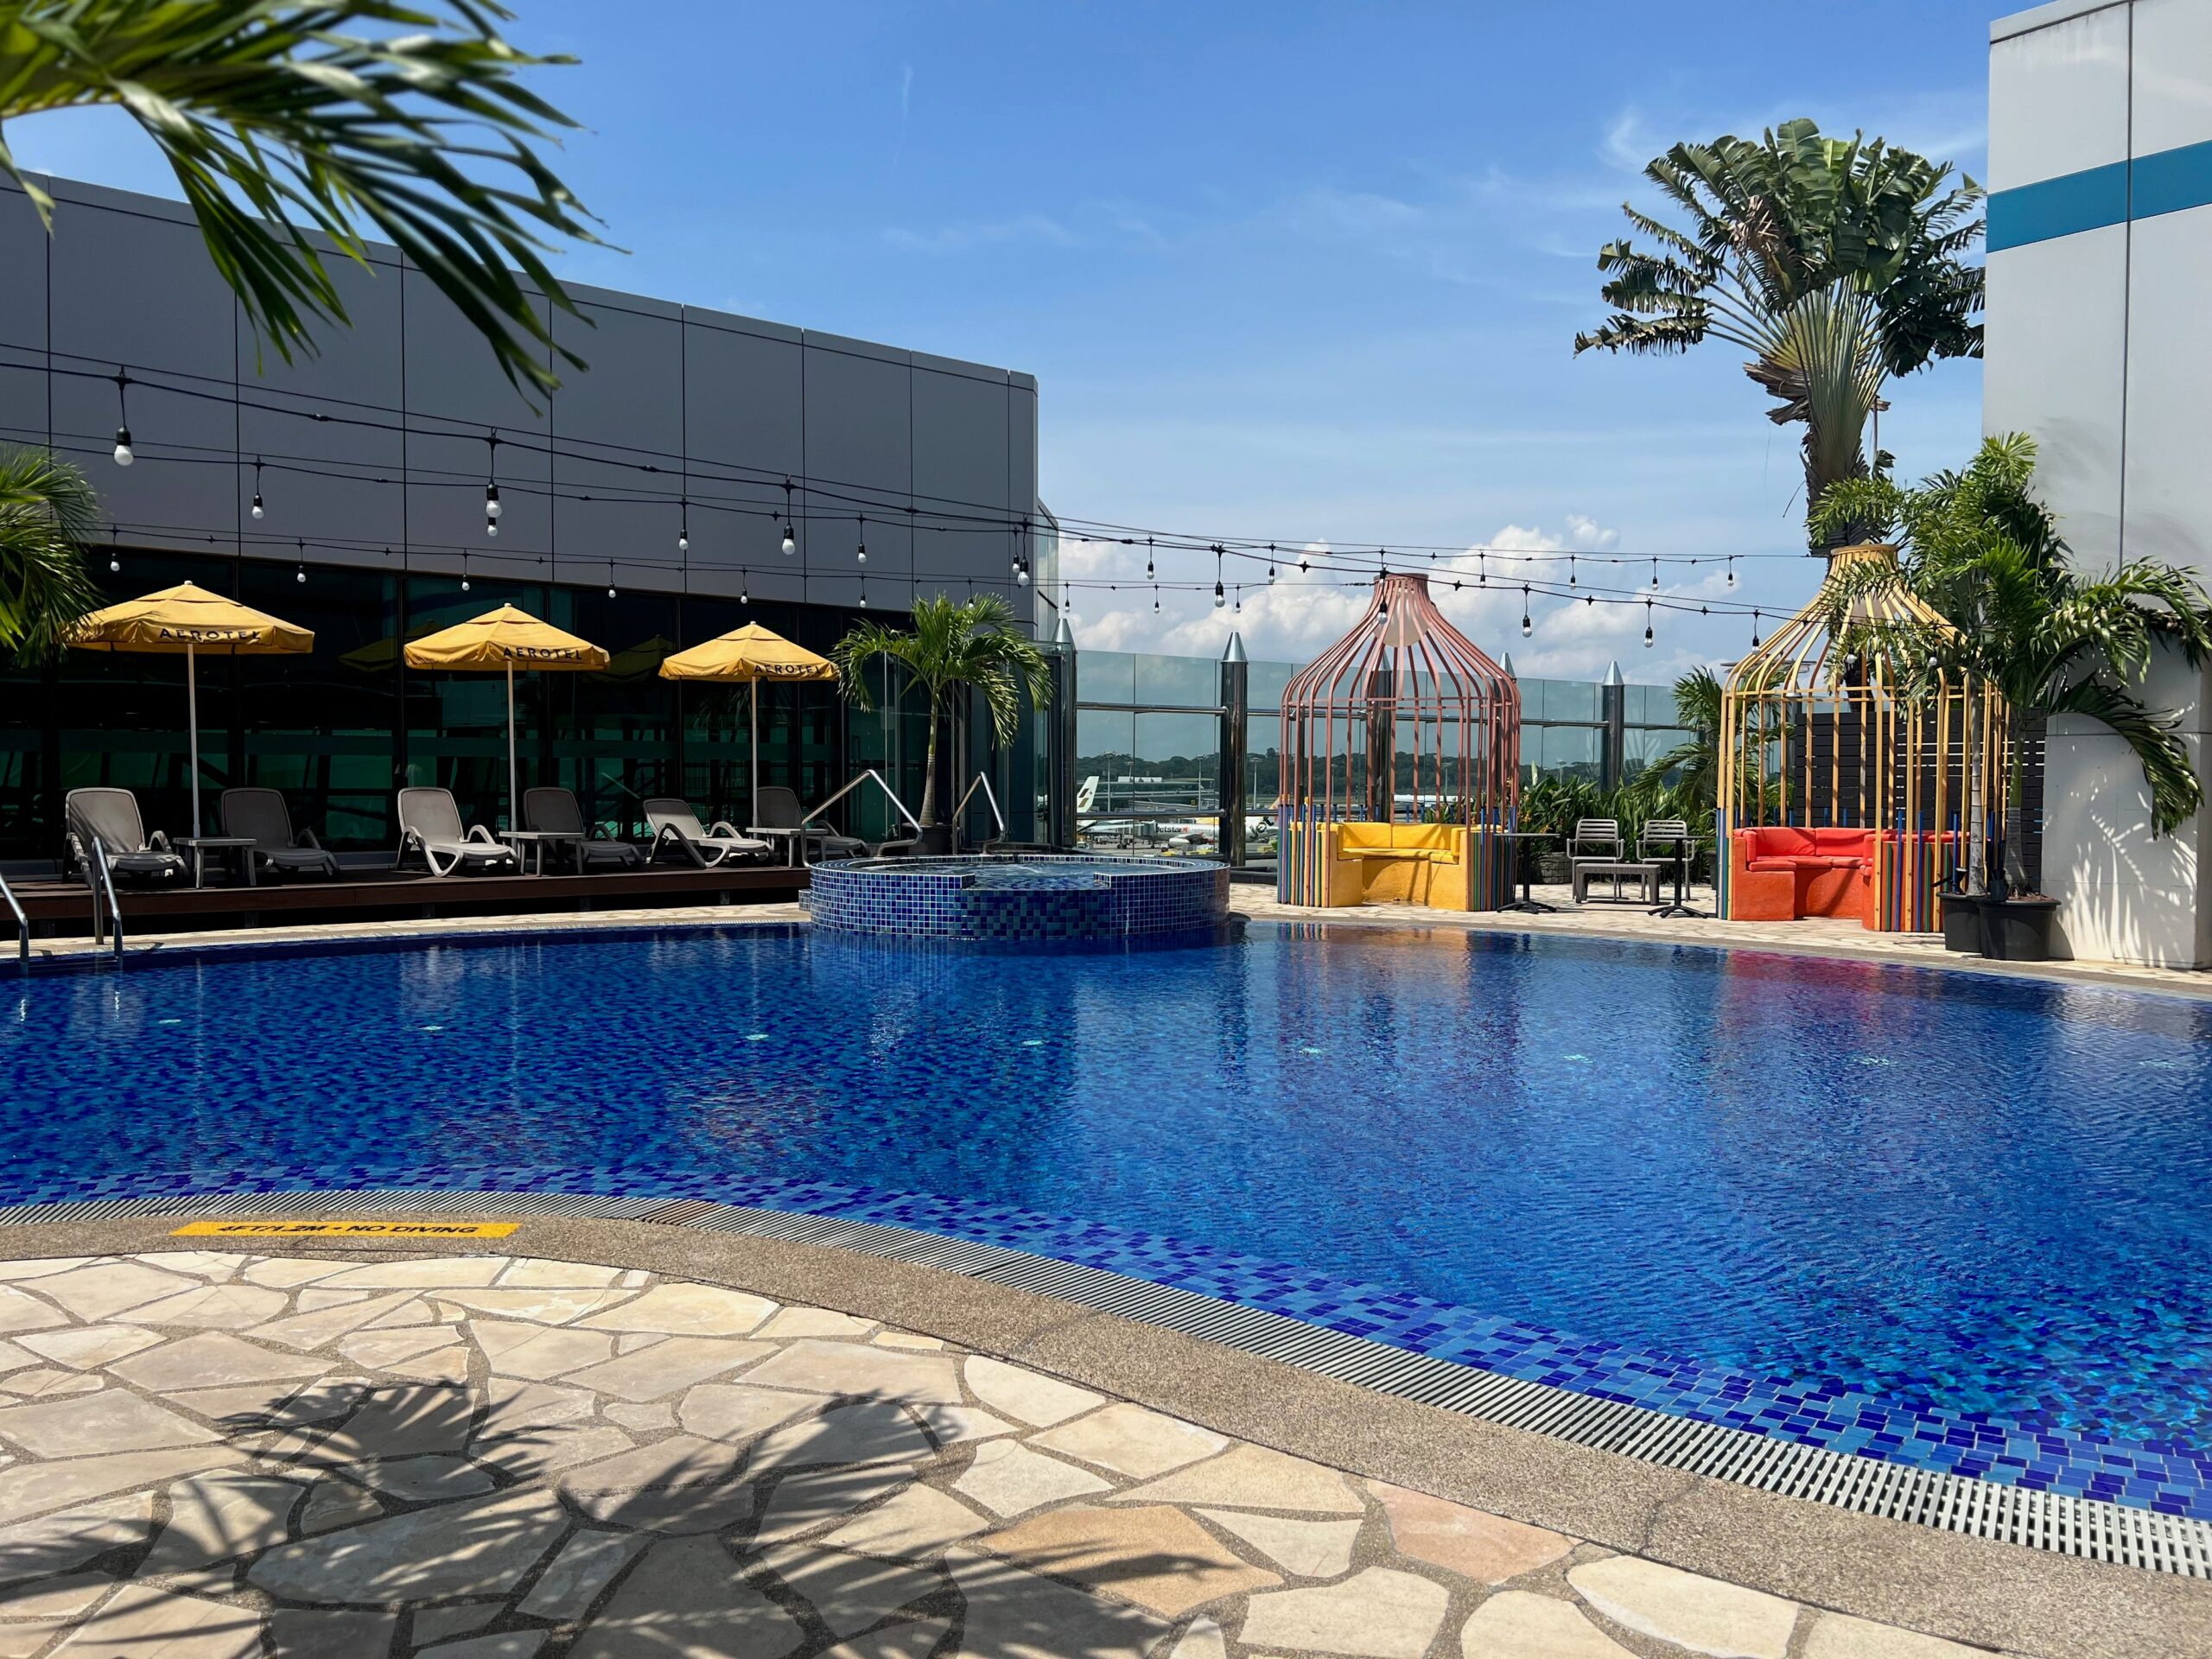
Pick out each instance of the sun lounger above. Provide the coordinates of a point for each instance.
(677, 827)
(112, 817)
(781, 817)
(261, 815)
(430, 823)
(554, 813)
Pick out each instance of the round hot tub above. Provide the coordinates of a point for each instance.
(1039, 897)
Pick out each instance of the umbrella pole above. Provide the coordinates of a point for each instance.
(752, 699)
(192, 720)
(514, 796)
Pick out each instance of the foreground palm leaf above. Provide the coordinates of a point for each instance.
(1834, 264)
(46, 513)
(1987, 554)
(347, 118)
(972, 645)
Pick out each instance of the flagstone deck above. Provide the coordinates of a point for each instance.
(216, 1456)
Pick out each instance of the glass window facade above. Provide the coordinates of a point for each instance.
(338, 730)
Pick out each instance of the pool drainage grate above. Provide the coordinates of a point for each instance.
(2052, 1522)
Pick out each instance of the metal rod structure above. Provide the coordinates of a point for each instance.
(992, 800)
(22, 922)
(192, 725)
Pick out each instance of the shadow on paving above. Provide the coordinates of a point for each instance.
(354, 1518)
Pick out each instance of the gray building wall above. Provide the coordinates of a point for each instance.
(375, 455)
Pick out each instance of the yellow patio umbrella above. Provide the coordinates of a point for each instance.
(506, 638)
(749, 655)
(186, 620)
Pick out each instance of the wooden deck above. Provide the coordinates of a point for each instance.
(64, 909)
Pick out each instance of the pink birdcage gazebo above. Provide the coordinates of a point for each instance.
(1400, 764)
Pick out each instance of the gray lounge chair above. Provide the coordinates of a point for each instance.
(430, 823)
(676, 826)
(111, 816)
(556, 812)
(780, 811)
(262, 814)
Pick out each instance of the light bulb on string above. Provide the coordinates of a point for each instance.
(683, 526)
(744, 594)
(1271, 562)
(1571, 581)
(492, 508)
(1528, 627)
(1655, 573)
(790, 540)
(1218, 595)
(1732, 570)
(1755, 629)
(610, 578)
(1647, 624)
(863, 542)
(123, 454)
(114, 554)
(1236, 605)
(302, 572)
(258, 512)
(1148, 560)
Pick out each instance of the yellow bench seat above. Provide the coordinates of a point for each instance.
(1398, 863)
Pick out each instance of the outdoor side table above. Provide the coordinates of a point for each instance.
(525, 842)
(1684, 851)
(201, 845)
(794, 842)
(1528, 902)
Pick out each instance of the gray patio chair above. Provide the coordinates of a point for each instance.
(430, 823)
(555, 811)
(1598, 847)
(261, 815)
(780, 811)
(677, 827)
(111, 816)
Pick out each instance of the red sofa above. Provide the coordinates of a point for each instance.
(1778, 872)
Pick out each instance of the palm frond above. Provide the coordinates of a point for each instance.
(48, 512)
(284, 121)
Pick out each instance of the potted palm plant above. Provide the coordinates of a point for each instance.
(1978, 547)
(973, 644)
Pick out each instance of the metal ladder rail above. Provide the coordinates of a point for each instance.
(101, 881)
(807, 817)
(990, 799)
(23, 923)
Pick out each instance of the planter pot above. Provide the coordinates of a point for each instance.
(1962, 920)
(935, 840)
(2017, 929)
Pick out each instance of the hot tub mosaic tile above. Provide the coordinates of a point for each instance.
(1020, 897)
(2169, 1478)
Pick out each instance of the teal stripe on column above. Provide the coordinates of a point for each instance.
(2172, 180)
(2065, 205)
(2169, 181)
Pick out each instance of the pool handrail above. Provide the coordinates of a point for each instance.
(22, 923)
(101, 880)
(816, 811)
(983, 784)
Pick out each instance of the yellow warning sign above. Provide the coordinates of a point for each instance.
(345, 1227)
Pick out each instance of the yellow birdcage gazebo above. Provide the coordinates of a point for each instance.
(1853, 782)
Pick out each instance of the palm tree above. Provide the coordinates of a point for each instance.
(973, 644)
(276, 115)
(1695, 761)
(1987, 554)
(1836, 263)
(47, 513)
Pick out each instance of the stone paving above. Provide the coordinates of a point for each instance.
(215, 1456)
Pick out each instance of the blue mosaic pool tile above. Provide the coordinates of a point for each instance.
(2170, 1479)
(1020, 897)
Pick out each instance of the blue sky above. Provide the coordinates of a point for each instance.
(1303, 271)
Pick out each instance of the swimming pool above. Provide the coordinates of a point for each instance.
(1947, 1220)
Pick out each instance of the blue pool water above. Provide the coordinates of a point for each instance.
(1956, 1221)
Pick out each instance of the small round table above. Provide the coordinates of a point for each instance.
(1528, 902)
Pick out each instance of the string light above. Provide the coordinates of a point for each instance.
(1148, 575)
(1571, 581)
(1655, 573)
(124, 455)
(1271, 562)
(791, 525)
(257, 511)
(683, 526)
(492, 507)
(1219, 598)
(302, 572)
(114, 553)
(1755, 629)
(610, 578)
(744, 597)
(1647, 624)
(1528, 627)
(863, 553)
